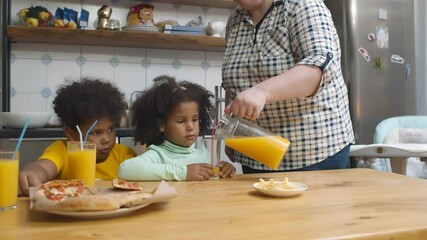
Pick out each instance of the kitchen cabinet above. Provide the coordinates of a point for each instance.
(37, 140)
(30, 149)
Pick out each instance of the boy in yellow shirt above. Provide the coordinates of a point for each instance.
(82, 103)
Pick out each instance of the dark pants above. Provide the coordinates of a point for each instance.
(337, 161)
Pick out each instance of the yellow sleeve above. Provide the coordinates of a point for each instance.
(107, 170)
(124, 153)
(57, 153)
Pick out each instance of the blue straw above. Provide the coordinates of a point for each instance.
(88, 131)
(21, 137)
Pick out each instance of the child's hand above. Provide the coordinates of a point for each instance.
(199, 171)
(34, 174)
(226, 169)
(27, 179)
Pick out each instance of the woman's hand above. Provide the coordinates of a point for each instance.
(248, 104)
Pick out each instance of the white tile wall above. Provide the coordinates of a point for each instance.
(47, 66)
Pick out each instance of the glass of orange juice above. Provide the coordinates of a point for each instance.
(212, 146)
(82, 161)
(9, 171)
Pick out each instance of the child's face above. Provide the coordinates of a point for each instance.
(103, 134)
(182, 126)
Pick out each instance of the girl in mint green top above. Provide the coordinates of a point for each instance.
(168, 118)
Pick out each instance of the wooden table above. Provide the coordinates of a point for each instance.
(351, 203)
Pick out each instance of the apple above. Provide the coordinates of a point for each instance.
(31, 22)
(22, 14)
(44, 16)
(58, 23)
(71, 25)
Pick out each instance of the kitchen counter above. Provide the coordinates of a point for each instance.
(52, 133)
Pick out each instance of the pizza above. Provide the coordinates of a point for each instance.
(59, 190)
(122, 184)
(70, 195)
(103, 202)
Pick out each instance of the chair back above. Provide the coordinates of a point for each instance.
(385, 127)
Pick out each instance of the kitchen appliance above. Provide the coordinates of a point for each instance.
(378, 60)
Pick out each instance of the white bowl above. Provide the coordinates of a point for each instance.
(215, 28)
(18, 119)
(297, 188)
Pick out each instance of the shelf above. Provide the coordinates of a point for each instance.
(205, 3)
(138, 39)
(52, 133)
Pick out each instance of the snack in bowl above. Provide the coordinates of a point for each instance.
(280, 188)
(69, 195)
(124, 185)
(275, 185)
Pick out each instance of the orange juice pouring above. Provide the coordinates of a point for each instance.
(252, 141)
(9, 170)
(82, 161)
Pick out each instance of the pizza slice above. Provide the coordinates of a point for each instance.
(124, 185)
(59, 190)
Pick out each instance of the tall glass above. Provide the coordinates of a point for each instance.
(82, 161)
(252, 140)
(9, 171)
(213, 147)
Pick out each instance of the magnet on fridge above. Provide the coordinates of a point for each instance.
(377, 62)
(397, 59)
(371, 37)
(408, 71)
(365, 54)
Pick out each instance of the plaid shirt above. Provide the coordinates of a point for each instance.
(293, 32)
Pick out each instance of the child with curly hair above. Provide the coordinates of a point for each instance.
(82, 103)
(168, 118)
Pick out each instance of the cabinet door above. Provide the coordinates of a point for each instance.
(30, 149)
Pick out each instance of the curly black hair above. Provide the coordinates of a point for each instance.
(152, 108)
(88, 99)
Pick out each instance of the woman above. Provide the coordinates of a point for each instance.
(282, 69)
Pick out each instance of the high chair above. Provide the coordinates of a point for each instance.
(398, 139)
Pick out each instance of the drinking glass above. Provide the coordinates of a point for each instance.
(213, 147)
(82, 161)
(9, 171)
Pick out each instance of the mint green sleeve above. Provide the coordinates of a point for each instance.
(150, 167)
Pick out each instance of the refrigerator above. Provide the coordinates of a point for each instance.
(378, 60)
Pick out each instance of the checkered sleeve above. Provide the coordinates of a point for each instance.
(314, 38)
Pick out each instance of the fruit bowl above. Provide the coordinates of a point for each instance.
(17, 119)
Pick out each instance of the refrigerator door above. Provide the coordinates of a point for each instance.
(378, 60)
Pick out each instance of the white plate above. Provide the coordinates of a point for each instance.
(96, 214)
(141, 28)
(298, 189)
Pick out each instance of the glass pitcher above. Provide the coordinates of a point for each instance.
(252, 140)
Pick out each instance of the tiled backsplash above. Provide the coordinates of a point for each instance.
(38, 69)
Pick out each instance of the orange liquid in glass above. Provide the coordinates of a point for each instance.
(8, 182)
(83, 165)
(268, 150)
